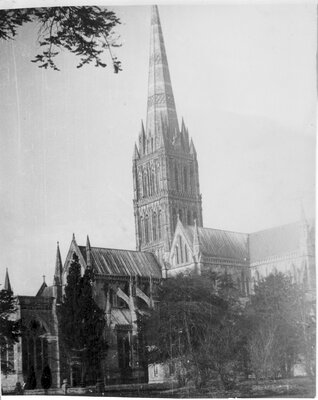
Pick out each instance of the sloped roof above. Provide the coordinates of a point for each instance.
(47, 292)
(123, 262)
(219, 243)
(275, 241)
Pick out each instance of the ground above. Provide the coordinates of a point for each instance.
(301, 387)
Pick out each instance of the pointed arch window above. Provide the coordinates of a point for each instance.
(148, 181)
(140, 188)
(157, 178)
(144, 183)
(181, 250)
(185, 177)
(191, 177)
(177, 254)
(146, 229)
(189, 222)
(141, 230)
(180, 215)
(159, 225)
(176, 177)
(154, 226)
(186, 253)
(153, 180)
(174, 218)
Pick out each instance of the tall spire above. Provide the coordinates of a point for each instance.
(7, 284)
(161, 105)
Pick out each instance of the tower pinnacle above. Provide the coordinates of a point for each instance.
(161, 106)
(7, 284)
(58, 266)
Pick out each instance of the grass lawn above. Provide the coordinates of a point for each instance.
(301, 387)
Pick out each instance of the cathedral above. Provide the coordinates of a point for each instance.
(170, 239)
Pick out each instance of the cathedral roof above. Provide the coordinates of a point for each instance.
(123, 262)
(275, 241)
(219, 243)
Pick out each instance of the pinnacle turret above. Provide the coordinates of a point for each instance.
(58, 266)
(88, 253)
(136, 153)
(192, 148)
(7, 284)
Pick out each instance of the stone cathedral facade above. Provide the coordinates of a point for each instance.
(170, 239)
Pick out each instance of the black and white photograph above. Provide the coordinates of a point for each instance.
(157, 198)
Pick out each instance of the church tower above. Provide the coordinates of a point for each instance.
(165, 166)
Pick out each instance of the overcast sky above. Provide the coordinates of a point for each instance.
(244, 79)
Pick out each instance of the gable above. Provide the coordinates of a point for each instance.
(182, 248)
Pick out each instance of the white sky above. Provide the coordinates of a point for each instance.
(244, 79)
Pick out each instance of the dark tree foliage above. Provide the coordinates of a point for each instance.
(10, 329)
(82, 322)
(276, 334)
(84, 31)
(197, 323)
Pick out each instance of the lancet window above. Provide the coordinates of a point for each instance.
(185, 177)
(191, 177)
(154, 226)
(186, 253)
(176, 177)
(159, 225)
(181, 252)
(146, 229)
(189, 218)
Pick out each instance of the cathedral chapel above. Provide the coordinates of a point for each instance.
(170, 239)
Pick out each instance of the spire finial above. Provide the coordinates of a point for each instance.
(43, 276)
(73, 238)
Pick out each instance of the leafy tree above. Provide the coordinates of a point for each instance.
(275, 338)
(197, 324)
(84, 31)
(10, 328)
(305, 321)
(82, 322)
